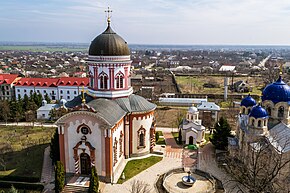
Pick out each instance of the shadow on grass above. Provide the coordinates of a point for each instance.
(24, 165)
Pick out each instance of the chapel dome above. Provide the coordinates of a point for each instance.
(258, 112)
(192, 109)
(248, 101)
(109, 44)
(277, 92)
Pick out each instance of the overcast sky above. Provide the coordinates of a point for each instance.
(252, 22)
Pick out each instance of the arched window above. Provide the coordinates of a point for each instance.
(103, 80)
(253, 122)
(281, 112)
(91, 79)
(268, 110)
(121, 144)
(141, 137)
(259, 123)
(244, 110)
(115, 151)
(119, 80)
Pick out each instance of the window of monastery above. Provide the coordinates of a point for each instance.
(91, 79)
(244, 111)
(103, 80)
(268, 110)
(141, 137)
(253, 122)
(259, 123)
(281, 112)
(121, 144)
(115, 151)
(119, 80)
(84, 130)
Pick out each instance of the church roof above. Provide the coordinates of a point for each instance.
(135, 103)
(114, 110)
(277, 92)
(248, 101)
(108, 109)
(258, 112)
(279, 137)
(109, 44)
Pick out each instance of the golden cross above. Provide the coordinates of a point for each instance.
(281, 69)
(83, 95)
(109, 11)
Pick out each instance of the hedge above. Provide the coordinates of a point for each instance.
(22, 185)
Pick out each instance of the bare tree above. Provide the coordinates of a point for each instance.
(261, 168)
(138, 186)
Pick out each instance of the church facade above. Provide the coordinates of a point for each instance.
(107, 124)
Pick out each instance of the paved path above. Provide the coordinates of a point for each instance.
(208, 164)
(47, 175)
(171, 160)
(149, 176)
(36, 124)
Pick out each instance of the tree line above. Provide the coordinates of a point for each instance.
(21, 109)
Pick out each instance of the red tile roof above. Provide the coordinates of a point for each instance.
(53, 82)
(7, 78)
(46, 82)
(73, 81)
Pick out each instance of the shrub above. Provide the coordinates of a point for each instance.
(94, 181)
(59, 177)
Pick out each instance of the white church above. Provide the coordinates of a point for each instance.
(109, 123)
(193, 132)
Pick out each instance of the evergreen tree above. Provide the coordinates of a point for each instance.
(179, 137)
(46, 97)
(5, 110)
(54, 147)
(94, 181)
(59, 177)
(25, 103)
(13, 109)
(156, 136)
(222, 131)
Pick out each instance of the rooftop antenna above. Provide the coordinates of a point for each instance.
(109, 15)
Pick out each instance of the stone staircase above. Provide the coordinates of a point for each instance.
(74, 189)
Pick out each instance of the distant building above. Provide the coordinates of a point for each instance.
(227, 68)
(7, 82)
(56, 88)
(209, 113)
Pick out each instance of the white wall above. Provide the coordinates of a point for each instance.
(72, 138)
(146, 123)
(73, 91)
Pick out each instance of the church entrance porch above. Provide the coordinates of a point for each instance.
(190, 140)
(85, 162)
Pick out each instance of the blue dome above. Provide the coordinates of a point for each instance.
(258, 112)
(277, 92)
(248, 101)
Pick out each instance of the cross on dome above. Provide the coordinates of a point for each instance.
(109, 15)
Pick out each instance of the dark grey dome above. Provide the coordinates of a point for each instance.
(109, 44)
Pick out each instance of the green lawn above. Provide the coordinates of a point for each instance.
(161, 140)
(21, 150)
(134, 167)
